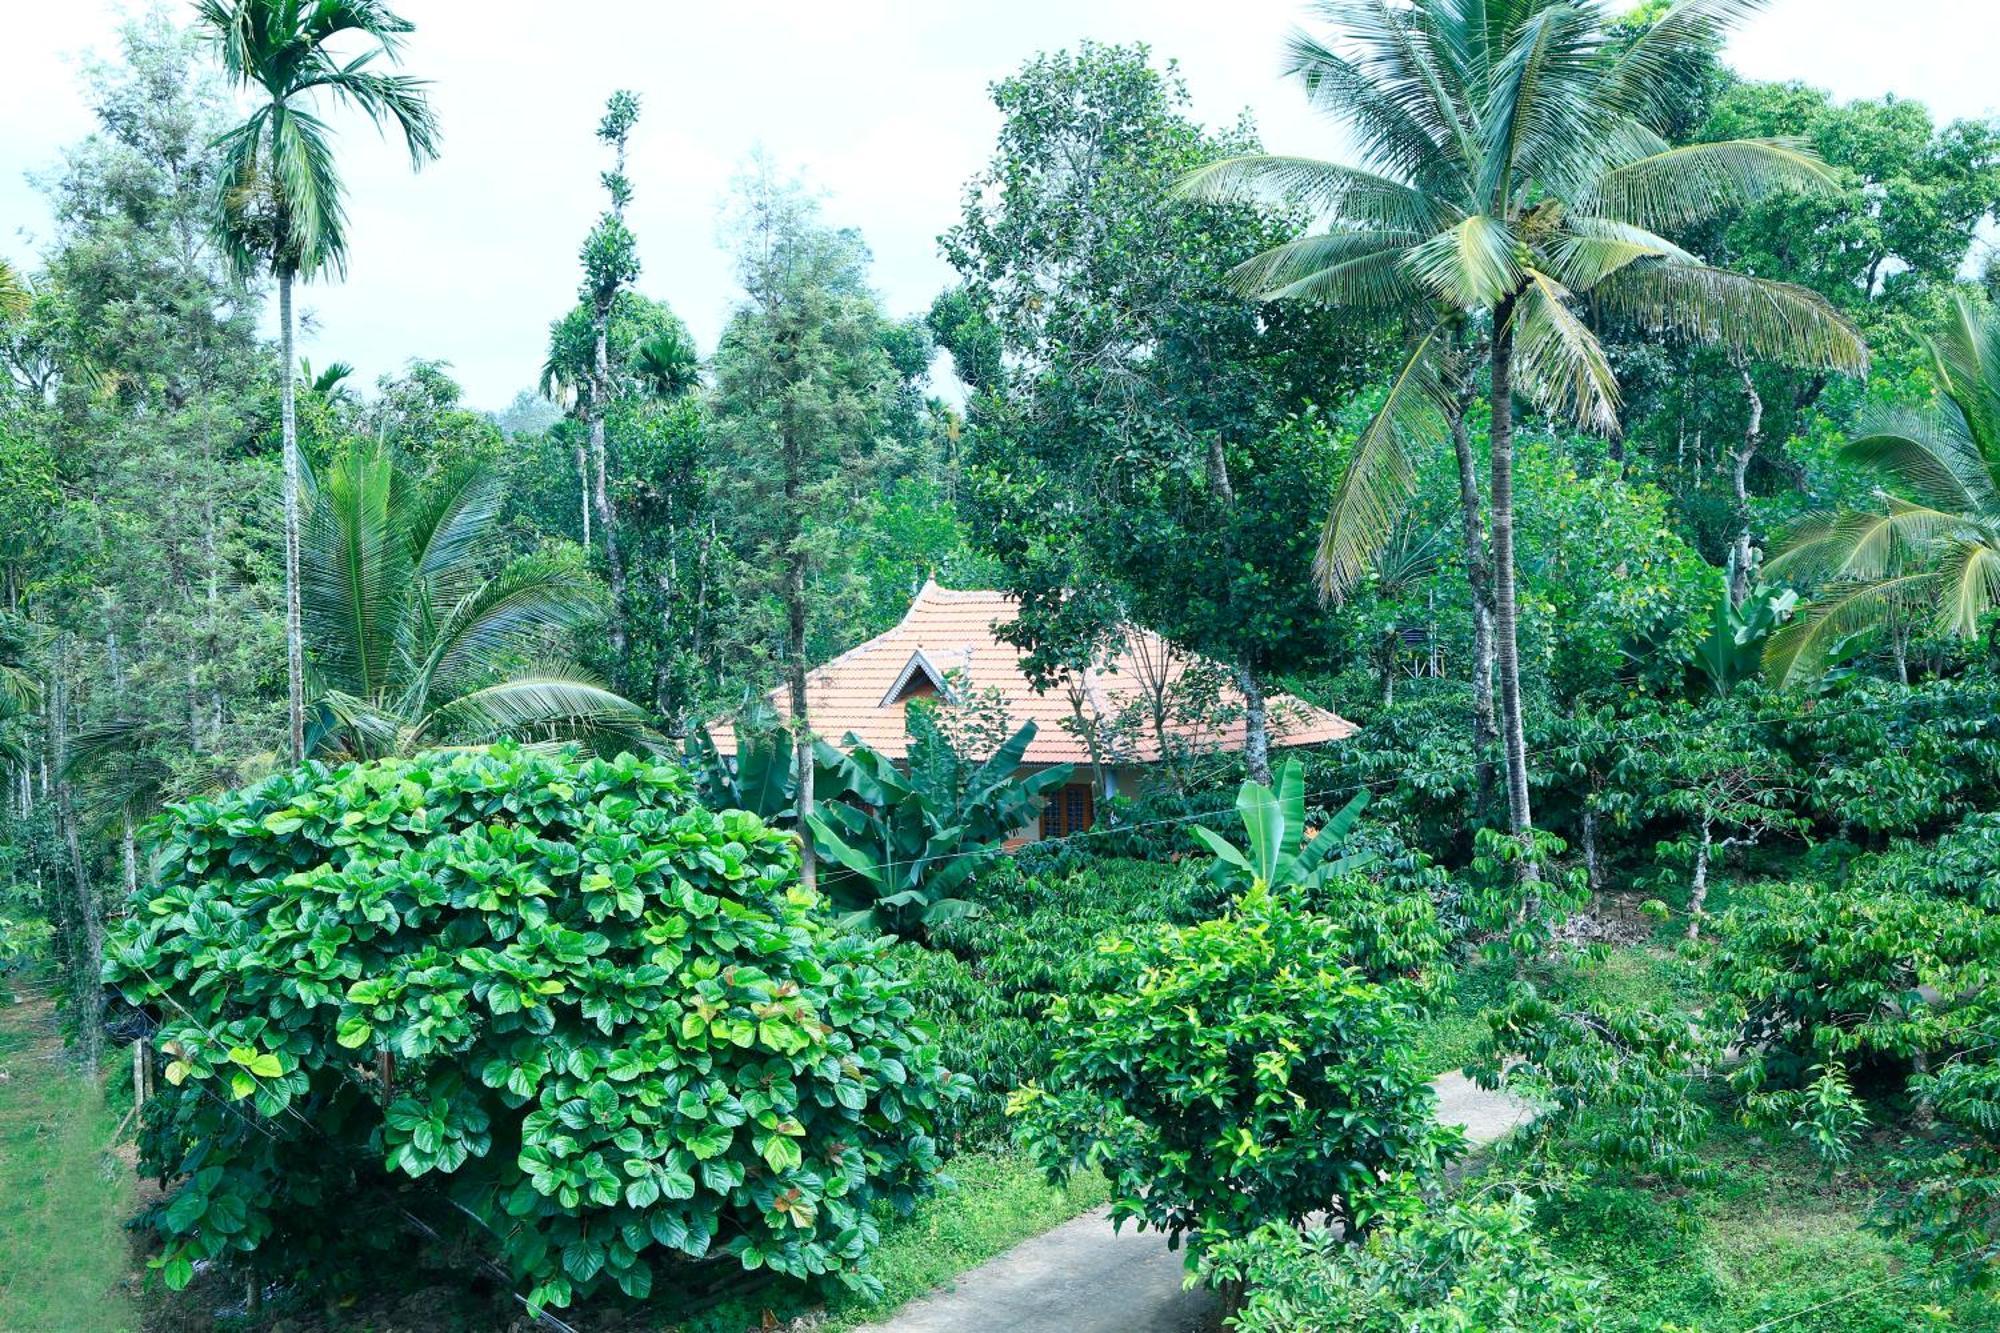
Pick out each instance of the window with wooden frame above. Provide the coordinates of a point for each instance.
(1070, 809)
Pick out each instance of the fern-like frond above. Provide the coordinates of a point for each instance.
(1928, 456)
(1356, 270)
(1590, 249)
(1752, 317)
(538, 705)
(1381, 472)
(1682, 186)
(1803, 648)
(1343, 194)
(1561, 364)
(1470, 266)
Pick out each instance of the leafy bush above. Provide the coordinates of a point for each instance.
(988, 979)
(1850, 972)
(1466, 1266)
(1237, 1072)
(606, 1021)
(1619, 1085)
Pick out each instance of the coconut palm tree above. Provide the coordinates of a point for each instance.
(414, 639)
(1513, 177)
(1931, 552)
(281, 209)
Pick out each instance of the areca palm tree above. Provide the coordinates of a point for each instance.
(281, 209)
(416, 640)
(1931, 552)
(1513, 180)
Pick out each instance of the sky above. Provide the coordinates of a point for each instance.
(881, 104)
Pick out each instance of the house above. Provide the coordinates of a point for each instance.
(946, 643)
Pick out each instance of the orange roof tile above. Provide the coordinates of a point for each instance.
(953, 632)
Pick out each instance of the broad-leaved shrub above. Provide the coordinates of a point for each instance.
(1238, 1072)
(604, 1022)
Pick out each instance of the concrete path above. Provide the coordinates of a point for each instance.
(1084, 1278)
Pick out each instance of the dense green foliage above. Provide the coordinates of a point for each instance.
(1530, 437)
(1467, 1266)
(1255, 1067)
(606, 1022)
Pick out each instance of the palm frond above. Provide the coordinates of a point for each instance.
(1966, 358)
(1396, 51)
(1930, 456)
(503, 618)
(1752, 317)
(342, 724)
(1540, 121)
(549, 705)
(1386, 134)
(354, 574)
(1355, 270)
(311, 193)
(1643, 79)
(1345, 194)
(1381, 472)
(1970, 575)
(445, 522)
(1469, 266)
(1561, 363)
(1805, 645)
(1854, 546)
(397, 99)
(1682, 186)
(1590, 249)
(115, 771)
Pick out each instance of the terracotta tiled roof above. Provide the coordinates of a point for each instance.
(953, 631)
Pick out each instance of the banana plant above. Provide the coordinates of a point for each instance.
(759, 779)
(1276, 853)
(904, 847)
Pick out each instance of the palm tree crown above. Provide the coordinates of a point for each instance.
(1513, 171)
(281, 196)
(1931, 552)
(414, 639)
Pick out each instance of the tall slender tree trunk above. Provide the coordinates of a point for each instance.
(1256, 726)
(295, 644)
(583, 490)
(795, 680)
(87, 989)
(600, 496)
(1256, 716)
(1520, 820)
(128, 844)
(1479, 579)
(1739, 472)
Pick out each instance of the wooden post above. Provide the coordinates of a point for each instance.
(138, 1074)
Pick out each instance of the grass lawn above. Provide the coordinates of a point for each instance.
(64, 1257)
(1773, 1242)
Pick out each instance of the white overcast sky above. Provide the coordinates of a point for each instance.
(881, 103)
